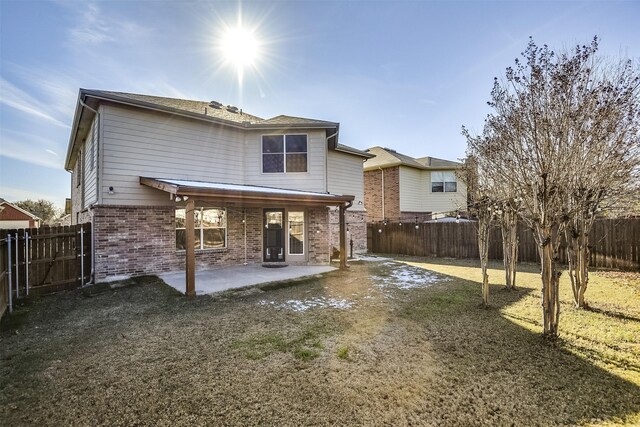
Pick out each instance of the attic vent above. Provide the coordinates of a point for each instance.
(232, 109)
(215, 104)
(390, 149)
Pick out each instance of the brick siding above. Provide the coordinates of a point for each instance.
(318, 235)
(138, 240)
(373, 194)
(356, 227)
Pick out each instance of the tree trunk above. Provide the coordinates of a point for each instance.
(509, 227)
(548, 248)
(483, 247)
(578, 259)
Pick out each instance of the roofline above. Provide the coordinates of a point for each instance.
(319, 199)
(21, 210)
(350, 150)
(99, 95)
(177, 111)
(399, 163)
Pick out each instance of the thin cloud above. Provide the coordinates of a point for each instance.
(12, 96)
(95, 27)
(30, 149)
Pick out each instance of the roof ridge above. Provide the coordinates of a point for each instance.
(151, 96)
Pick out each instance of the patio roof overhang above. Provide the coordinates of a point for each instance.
(244, 195)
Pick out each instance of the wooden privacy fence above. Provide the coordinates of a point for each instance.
(43, 260)
(615, 243)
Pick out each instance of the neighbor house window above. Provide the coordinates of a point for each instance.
(284, 153)
(210, 228)
(296, 233)
(443, 182)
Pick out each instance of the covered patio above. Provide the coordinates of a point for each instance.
(247, 196)
(209, 281)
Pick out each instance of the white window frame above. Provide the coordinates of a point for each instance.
(201, 228)
(444, 181)
(284, 153)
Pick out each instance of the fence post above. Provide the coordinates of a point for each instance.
(17, 267)
(82, 255)
(26, 261)
(10, 281)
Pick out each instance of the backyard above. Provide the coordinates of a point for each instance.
(399, 341)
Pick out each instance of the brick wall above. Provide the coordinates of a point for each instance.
(137, 240)
(356, 226)
(133, 241)
(319, 231)
(373, 194)
(411, 216)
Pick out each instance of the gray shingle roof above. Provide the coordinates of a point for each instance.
(204, 108)
(198, 107)
(287, 120)
(386, 158)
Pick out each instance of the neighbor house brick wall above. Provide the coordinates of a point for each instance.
(135, 240)
(9, 214)
(373, 194)
(319, 231)
(411, 216)
(356, 227)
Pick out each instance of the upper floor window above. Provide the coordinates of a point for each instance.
(444, 182)
(284, 153)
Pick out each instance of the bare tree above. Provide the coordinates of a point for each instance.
(552, 116)
(606, 135)
(480, 206)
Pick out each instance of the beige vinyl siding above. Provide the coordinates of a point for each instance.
(345, 177)
(412, 197)
(140, 143)
(416, 195)
(312, 180)
(445, 202)
(90, 168)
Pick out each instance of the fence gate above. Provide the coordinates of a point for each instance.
(43, 260)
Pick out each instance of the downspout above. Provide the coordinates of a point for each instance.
(98, 192)
(326, 163)
(382, 192)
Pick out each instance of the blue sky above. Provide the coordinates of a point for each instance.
(405, 75)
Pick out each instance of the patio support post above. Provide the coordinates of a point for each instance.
(343, 237)
(190, 267)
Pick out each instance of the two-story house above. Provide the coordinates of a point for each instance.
(398, 187)
(159, 177)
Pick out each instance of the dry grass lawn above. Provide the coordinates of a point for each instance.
(400, 342)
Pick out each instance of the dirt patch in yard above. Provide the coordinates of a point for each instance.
(384, 343)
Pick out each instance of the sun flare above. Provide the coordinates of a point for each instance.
(240, 47)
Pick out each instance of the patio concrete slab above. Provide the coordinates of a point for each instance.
(221, 279)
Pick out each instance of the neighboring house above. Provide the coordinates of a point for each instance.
(403, 188)
(11, 216)
(263, 190)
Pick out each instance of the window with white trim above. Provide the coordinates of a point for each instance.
(284, 153)
(296, 232)
(210, 228)
(444, 182)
